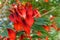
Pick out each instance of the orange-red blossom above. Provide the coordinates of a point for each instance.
(22, 17)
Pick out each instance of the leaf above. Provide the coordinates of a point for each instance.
(4, 33)
(26, 39)
(35, 36)
(11, 1)
(41, 29)
(57, 20)
(42, 21)
(19, 33)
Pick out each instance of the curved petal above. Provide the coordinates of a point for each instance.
(12, 34)
(21, 37)
(11, 17)
(18, 27)
(27, 30)
(47, 28)
(36, 13)
(29, 21)
(29, 9)
(22, 11)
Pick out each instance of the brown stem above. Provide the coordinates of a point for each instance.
(48, 12)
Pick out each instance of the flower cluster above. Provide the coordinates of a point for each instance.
(22, 16)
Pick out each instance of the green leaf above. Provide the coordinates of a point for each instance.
(41, 29)
(26, 39)
(35, 36)
(20, 33)
(11, 1)
(4, 33)
(42, 21)
(57, 20)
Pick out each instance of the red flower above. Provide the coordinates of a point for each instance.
(39, 33)
(17, 27)
(47, 28)
(23, 17)
(46, 0)
(46, 38)
(58, 29)
(36, 13)
(12, 34)
(54, 26)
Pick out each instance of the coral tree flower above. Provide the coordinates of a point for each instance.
(12, 34)
(39, 34)
(54, 26)
(23, 16)
(46, 0)
(47, 28)
(46, 38)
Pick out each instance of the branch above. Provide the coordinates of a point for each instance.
(48, 12)
(3, 6)
(5, 2)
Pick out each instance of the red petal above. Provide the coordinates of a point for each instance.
(54, 26)
(27, 30)
(11, 17)
(12, 10)
(28, 5)
(21, 37)
(39, 33)
(39, 38)
(46, 38)
(29, 21)
(29, 13)
(18, 27)
(22, 11)
(14, 6)
(47, 28)
(36, 13)
(29, 9)
(12, 34)
(58, 29)
(46, 0)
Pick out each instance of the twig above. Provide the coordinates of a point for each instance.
(48, 12)
(3, 6)
(5, 3)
